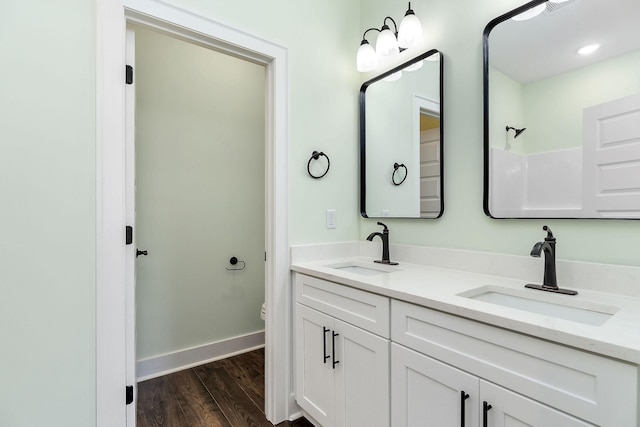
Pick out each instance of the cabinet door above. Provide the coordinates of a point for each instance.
(362, 377)
(509, 409)
(314, 373)
(426, 392)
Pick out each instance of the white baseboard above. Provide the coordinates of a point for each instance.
(296, 415)
(190, 357)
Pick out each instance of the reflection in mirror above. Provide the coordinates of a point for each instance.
(401, 124)
(579, 153)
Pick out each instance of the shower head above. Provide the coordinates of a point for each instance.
(518, 131)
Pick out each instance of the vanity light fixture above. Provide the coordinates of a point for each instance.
(588, 49)
(410, 33)
(389, 44)
(531, 13)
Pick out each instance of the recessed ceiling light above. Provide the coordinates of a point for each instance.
(588, 49)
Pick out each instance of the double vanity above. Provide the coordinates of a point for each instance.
(458, 338)
(442, 339)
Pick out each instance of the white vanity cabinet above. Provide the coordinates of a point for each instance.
(426, 392)
(522, 380)
(342, 354)
(503, 408)
(364, 359)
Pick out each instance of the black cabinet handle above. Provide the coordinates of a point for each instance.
(485, 411)
(139, 252)
(333, 349)
(463, 397)
(325, 356)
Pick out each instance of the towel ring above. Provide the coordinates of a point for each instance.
(234, 261)
(397, 166)
(315, 156)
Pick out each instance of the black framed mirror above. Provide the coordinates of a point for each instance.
(401, 140)
(562, 126)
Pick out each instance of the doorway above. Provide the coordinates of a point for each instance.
(199, 168)
(430, 164)
(115, 355)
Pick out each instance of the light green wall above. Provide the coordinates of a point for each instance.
(553, 107)
(47, 113)
(47, 213)
(199, 193)
(390, 139)
(506, 104)
(47, 166)
(322, 38)
(456, 29)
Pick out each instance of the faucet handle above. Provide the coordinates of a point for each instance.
(385, 227)
(549, 237)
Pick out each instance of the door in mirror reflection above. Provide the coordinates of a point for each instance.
(430, 164)
(577, 154)
(401, 140)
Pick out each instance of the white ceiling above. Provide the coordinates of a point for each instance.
(547, 44)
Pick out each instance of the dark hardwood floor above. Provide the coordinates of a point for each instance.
(228, 392)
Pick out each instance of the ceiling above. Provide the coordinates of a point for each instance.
(547, 45)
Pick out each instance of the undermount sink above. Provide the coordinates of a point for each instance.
(548, 305)
(361, 268)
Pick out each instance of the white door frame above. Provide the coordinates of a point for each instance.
(130, 219)
(111, 290)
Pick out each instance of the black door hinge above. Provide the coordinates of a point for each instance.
(129, 394)
(128, 234)
(129, 75)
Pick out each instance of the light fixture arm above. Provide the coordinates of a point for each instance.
(364, 36)
(395, 27)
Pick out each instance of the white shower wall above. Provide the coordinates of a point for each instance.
(554, 179)
(541, 185)
(508, 171)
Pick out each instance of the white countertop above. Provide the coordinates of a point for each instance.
(439, 288)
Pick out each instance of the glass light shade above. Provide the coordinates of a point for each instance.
(386, 45)
(531, 13)
(410, 32)
(415, 66)
(433, 58)
(367, 59)
(393, 77)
